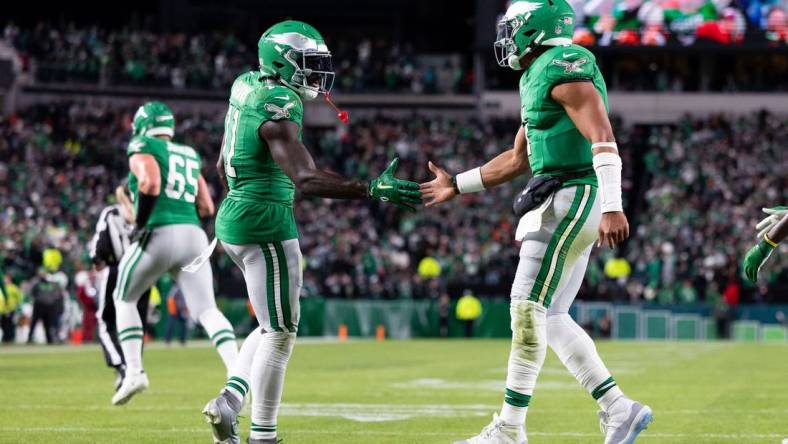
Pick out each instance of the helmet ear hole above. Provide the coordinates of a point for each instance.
(529, 33)
(279, 65)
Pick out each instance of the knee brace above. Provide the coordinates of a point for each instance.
(528, 324)
(529, 340)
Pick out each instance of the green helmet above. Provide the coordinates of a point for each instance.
(153, 119)
(528, 24)
(296, 54)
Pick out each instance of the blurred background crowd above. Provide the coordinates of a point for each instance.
(209, 61)
(139, 55)
(692, 223)
(684, 22)
(693, 187)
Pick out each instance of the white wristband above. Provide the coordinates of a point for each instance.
(605, 144)
(608, 172)
(470, 181)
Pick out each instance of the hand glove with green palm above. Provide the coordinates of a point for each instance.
(387, 188)
(774, 216)
(755, 259)
(758, 254)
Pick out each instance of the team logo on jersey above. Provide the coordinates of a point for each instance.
(279, 112)
(571, 67)
(136, 145)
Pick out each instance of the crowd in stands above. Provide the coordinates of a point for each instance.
(683, 22)
(209, 61)
(709, 179)
(704, 182)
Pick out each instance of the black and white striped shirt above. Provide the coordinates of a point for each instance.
(111, 238)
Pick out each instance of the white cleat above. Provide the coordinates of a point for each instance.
(498, 432)
(625, 422)
(132, 384)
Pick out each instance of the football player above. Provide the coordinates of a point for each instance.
(263, 162)
(773, 230)
(573, 200)
(170, 195)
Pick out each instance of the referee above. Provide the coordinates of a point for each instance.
(106, 249)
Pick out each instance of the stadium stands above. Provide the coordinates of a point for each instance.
(684, 248)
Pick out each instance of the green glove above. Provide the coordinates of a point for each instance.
(387, 188)
(755, 259)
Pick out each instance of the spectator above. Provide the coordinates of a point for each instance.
(49, 293)
(177, 313)
(86, 294)
(469, 308)
(10, 300)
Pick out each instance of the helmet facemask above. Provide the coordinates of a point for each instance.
(528, 24)
(504, 41)
(507, 53)
(314, 72)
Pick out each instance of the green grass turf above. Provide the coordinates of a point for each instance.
(399, 392)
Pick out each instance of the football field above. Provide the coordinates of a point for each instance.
(420, 391)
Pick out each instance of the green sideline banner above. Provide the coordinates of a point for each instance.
(400, 318)
(404, 318)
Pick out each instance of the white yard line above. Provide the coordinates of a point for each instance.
(344, 409)
(646, 435)
(22, 349)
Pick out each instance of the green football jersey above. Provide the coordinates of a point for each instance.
(555, 146)
(259, 206)
(179, 167)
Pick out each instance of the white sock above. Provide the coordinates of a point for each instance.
(268, 378)
(578, 353)
(221, 333)
(130, 334)
(239, 381)
(529, 345)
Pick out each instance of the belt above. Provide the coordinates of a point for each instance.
(575, 175)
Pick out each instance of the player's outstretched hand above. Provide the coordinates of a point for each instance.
(754, 260)
(613, 229)
(387, 188)
(439, 189)
(774, 216)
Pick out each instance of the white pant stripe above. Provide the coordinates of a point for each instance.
(562, 240)
(126, 271)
